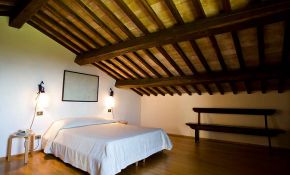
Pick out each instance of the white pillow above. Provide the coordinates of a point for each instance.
(84, 121)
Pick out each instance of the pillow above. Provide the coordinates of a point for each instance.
(84, 121)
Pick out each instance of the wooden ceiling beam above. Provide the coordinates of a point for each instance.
(170, 4)
(285, 54)
(84, 22)
(98, 21)
(131, 16)
(152, 13)
(70, 24)
(238, 75)
(233, 87)
(218, 53)
(128, 68)
(115, 20)
(207, 88)
(145, 91)
(59, 27)
(24, 14)
(238, 48)
(261, 45)
(112, 70)
(136, 66)
(56, 34)
(120, 69)
(151, 69)
(136, 91)
(184, 57)
(266, 13)
(53, 37)
(170, 60)
(106, 71)
(200, 15)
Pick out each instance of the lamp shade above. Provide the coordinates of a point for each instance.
(43, 101)
(110, 102)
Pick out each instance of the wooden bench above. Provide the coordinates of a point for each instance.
(258, 131)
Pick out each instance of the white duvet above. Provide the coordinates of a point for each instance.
(102, 147)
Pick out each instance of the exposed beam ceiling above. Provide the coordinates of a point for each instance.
(266, 13)
(238, 75)
(24, 14)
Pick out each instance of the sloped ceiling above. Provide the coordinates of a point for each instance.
(158, 47)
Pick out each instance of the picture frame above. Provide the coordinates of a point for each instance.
(80, 87)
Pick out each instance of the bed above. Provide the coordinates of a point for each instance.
(102, 147)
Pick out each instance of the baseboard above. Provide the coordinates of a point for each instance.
(231, 142)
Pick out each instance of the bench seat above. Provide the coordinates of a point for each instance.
(236, 129)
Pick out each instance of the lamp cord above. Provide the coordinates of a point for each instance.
(35, 108)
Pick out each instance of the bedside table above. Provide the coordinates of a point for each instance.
(29, 145)
(123, 122)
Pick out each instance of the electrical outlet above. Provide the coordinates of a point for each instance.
(38, 113)
(37, 137)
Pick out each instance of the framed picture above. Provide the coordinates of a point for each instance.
(80, 87)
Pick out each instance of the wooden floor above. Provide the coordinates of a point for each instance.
(206, 158)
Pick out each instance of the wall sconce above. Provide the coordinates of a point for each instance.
(110, 102)
(41, 102)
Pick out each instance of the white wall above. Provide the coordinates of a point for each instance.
(172, 112)
(28, 57)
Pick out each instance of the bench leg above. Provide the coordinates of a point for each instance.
(196, 138)
(269, 142)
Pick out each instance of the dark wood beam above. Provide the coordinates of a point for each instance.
(200, 55)
(263, 86)
(137, 67)
(238, 75)
(143, 91)
(285, 55)
(159, 91)
(97, 20)
(248, 87)
(170, 4)
(170, 60)
(151, 69)
(151, 91)
(218, 53)
(115, 20)
(120, 69)
(184, 57)
(207, 88)
(59, 27)
(24, 14)
(158, 62)
(53, 37)
(106, 71)
(261, 45)
(198, 9)
(128, 68)
(110, 69)
(84, 22)
(263, 14)
(70, 24)
(137, 92)
(152, 13)
(200, 15)
(238, 48)
(55, 33)
(131, 16)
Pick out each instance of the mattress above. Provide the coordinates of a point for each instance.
(103, 148)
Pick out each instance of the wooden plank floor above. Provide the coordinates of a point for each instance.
(206, 158)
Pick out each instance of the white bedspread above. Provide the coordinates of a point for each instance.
(105, 148)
